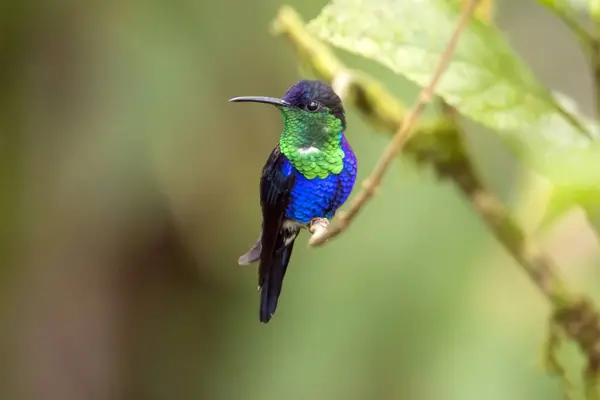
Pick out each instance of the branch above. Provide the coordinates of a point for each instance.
(371, 184)
(438, 144)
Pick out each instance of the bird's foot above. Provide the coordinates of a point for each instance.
(318, 226)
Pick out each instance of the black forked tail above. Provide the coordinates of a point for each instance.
(273, 281)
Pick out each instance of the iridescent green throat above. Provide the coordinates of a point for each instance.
(311, 141)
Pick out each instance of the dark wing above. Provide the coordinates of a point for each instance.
(275, 189)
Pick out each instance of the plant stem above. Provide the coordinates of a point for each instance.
(438, 144)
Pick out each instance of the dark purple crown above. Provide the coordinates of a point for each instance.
(305, 91)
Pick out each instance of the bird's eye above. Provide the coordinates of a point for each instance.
(312, 106)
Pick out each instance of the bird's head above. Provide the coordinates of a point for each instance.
(309, 107)
(314, 123)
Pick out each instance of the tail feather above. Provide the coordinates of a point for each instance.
(253, 254)
(273, 281)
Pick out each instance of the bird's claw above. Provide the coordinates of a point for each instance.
(317, 226)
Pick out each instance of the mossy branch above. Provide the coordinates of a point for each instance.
(438, 144)
(370, 185)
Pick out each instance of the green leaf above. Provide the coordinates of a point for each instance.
(579, 5)
(486, 80)
(594, 9)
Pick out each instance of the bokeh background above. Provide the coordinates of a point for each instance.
(129, 187)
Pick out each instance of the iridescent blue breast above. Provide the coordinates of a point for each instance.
(321, 197)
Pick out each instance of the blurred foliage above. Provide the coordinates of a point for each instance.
(130, 187)
(571, 314)
(485, 81)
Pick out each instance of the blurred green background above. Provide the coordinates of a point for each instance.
(130, 188)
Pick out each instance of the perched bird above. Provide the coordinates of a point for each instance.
(308, 175)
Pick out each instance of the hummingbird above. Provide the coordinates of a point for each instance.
(309, 174)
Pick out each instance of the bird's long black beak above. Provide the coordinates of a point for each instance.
(260, 99)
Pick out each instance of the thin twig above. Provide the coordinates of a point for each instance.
(594, 60)
(402, 134)
(589, 45)
(438, 144)
(569, 17)
(588, 42)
